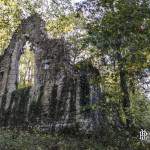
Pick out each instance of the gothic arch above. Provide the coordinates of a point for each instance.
(58, 87)
(33, 30)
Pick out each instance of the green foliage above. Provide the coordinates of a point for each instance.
(125, 27)
(24, 140)
(64, 24)
(122, 34)
(35, 140)
(140, 111)
(9, 20)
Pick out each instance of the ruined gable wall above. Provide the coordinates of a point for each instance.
(57, 93)
(4, 69)
(29, 30)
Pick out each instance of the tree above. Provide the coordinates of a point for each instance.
(121, 31)
(9, 20)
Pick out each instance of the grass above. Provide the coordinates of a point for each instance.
(25, 140)
(34, 140)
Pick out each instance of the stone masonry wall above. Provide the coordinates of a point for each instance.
(60, 90)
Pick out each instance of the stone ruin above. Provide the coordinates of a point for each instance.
(61, 89)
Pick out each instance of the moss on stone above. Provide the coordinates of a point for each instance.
(18, 108)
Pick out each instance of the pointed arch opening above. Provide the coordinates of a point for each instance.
(26, 72)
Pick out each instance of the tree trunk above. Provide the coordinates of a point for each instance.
(124, 90)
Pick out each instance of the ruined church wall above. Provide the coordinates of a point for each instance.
(4, 69)
(60, 90)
